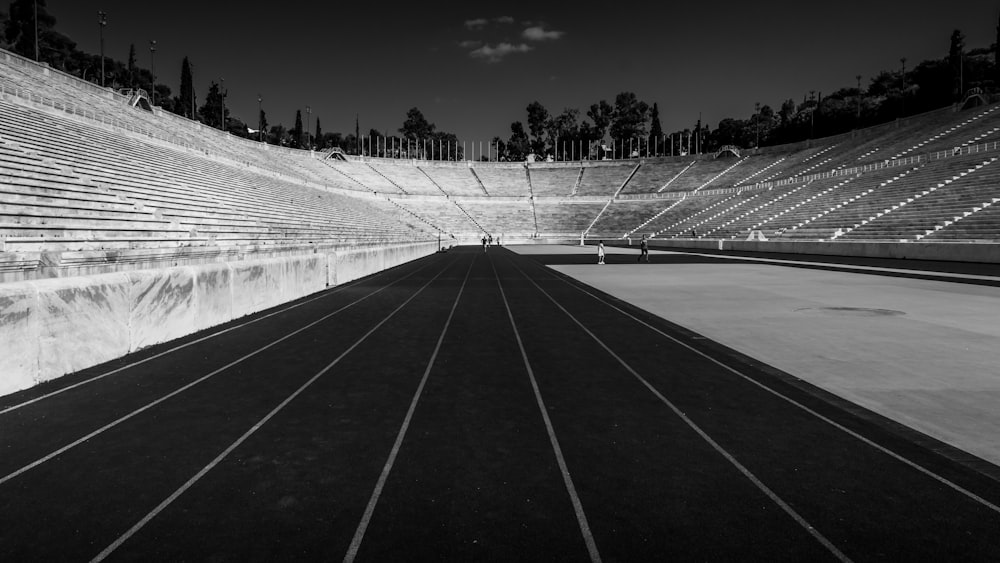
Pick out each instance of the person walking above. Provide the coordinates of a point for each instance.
(600, 252)
(643, 250)
(485, 248)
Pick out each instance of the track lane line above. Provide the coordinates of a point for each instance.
(816, 534)
(180, 390)
(912, 464)
(326, 293)
(359, 533)
(218, 459)
(581, 516)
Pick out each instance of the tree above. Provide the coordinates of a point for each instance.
(131, 65)
(278, 135)
(211, 111)
(538, 118)
(655, 128)
(630, 116)
(19, 27)
(956, 54)
(518, 145)
(297, 130)
(185, 101)
(262, 123)
(318, 136)
(601, 114)
(416, 126)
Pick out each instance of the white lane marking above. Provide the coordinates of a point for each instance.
(359, 533)
(218, 459)
(581, 517)
(944, 481)
(185, 345)
(180, 390)
(694, 426)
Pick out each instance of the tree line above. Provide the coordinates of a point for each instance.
(626, 127)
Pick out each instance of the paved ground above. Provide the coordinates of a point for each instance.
(920, 346)
(470, 406)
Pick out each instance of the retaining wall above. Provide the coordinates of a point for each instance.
(937, 251)
(52, 327)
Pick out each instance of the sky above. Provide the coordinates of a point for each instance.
(473, 67)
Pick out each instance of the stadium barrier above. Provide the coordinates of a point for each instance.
(984, 253)
(52, 327)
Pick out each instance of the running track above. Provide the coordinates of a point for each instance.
(467, 406)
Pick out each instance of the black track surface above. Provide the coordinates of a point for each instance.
(675, 447)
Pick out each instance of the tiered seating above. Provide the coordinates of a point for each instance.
(502, 216)
(697, 225)
(443, 213)
(177, 198)
(603, 180)
(566, 216)
(655, 175)
(559, 181)
(981, 224)
(706, 174)
(621, 215)
(944, 137)
(455, 180)
(677, 217)
(503, 180)
(918, 214)
(363, 175)
(408, 177)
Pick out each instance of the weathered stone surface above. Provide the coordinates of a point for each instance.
(213, 295)
(163, 306)
(82, 322)
(18, 336)
(256, 285)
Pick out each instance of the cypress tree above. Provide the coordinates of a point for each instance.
(318, 139)
(297, 131)
(186, 102)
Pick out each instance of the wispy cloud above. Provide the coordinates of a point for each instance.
(469, 44)
(504, 19)
(476, 23)
(496, 54)
(539, 33)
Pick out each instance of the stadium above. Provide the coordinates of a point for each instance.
(217, 347)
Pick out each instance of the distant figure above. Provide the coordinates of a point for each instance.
(490, 239)
(694, 233)
(498, 240)
(600, 252)
(643, 250)
(484, 244)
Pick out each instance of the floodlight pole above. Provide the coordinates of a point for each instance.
(260, 122)
(756, 119)
(152, 68)
(309, 126)
(36, 30)
(222, 97)
(102, 20)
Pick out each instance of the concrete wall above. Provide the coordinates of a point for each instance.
(52, 327)
(937, 251)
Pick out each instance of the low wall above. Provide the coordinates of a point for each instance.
(984, 253)
(52, 327)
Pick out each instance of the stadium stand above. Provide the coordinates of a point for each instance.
(455, 180)
(506, 180)
(554, 181)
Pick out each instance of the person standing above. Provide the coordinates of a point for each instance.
(643, 250)
(485, 248)
(600, 252)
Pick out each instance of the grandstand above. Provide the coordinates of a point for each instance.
(91, 185)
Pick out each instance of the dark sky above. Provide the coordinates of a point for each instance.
(472, 68)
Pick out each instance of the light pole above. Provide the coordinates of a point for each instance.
(222, 97)
(902, 88)
(859, 99)
(309, 127)
(152, 68)
(36, 30)
(260, 120)
(102, 20)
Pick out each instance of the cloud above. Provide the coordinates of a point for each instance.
(504, 19)
(476, 23)
(496, 54)
(469, 44)
(539, 33)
